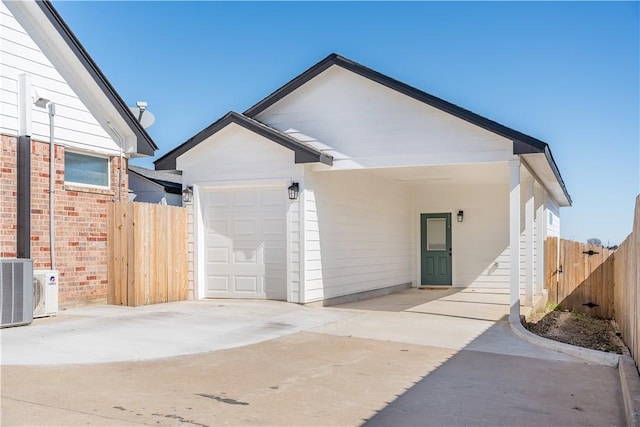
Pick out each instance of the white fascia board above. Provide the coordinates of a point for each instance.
(46, 36)
(538, 164)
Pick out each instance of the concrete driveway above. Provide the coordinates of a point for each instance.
(413, 358)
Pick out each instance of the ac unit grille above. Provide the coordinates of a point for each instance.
(38, 295)
(16, 291)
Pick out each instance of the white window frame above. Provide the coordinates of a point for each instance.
(82, 184)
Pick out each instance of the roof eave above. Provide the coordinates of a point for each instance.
(556, 172)
(303, 153)
(144, 143)
(417, 94)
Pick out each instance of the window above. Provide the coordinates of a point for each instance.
(436, 234)
(86, 170)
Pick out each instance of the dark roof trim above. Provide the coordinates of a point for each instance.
(441, 104)
(170, 176)
(522, 143)
(556, 172)
(303, 152)
(145, 144)
(169, 187)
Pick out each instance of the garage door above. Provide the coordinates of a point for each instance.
(246, 243)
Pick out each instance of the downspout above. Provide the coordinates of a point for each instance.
(120, 143)
(23, 178)
(51, 107)
(120, 176)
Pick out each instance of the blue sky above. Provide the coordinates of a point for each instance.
(565, 73)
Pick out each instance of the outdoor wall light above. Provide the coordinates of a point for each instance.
(460, 216)
(187, 194)
(41, 97)
(294, 190)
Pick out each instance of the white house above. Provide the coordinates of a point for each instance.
(397, 188)
(66, 138)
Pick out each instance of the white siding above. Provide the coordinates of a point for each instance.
(553, 218)
(358, 234)
(237, 154)
(480, 244)
(75, 125)
(364, 124)
(236, 157)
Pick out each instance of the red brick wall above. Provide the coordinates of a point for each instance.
(80, 222)
(8, 202)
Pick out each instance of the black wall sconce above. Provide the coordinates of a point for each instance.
(187, 194)
(460, 216)
(294, 190)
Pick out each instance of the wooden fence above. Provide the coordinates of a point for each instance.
(147, 254)
(627, 289)
(580, 277)
(606, 284)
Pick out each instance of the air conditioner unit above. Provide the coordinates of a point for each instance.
(16, 292)
(45, 293)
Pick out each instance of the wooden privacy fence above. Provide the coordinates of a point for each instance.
(627, 289)
(580, 277)
(147, 254)
(606, 284)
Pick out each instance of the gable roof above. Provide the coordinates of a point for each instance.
(170, 180)
(24, 10)
(522, 143)
(165, 176)
(303, 152)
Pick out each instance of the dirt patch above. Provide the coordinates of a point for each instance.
(576, 329)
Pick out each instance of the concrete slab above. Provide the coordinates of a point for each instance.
(315, 379)
(483, 389)
(297, 380)
(225, 362)
(100, 334)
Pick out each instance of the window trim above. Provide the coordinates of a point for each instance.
(85, 185)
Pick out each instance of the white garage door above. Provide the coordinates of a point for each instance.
(246, 243)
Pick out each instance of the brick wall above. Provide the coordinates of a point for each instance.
(80, 222)
(8, 202)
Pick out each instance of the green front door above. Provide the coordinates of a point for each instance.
(435, 249)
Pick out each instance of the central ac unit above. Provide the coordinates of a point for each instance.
(45, 293)
(16, 281)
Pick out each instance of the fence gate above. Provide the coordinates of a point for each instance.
(147, 254)
(580, 277)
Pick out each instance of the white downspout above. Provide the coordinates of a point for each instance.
(120, 143)
(51, 107)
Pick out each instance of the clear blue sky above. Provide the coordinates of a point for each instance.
(565, 73)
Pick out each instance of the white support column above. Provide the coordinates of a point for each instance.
(540, 221)
(528, 235)
(514, 239)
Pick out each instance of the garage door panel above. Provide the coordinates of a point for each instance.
(245, 226)
(273, 226)
(246, 255)
(246, 243)
(218, 255)
(245, 199)
(246, 284)
(217, 199)
(218, 226)
(274, 256)
(218, 283)
(272, 198)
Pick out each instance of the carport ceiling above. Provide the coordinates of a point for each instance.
(480, 173)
